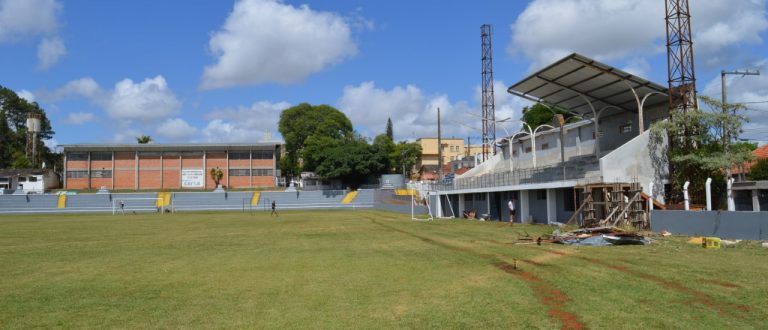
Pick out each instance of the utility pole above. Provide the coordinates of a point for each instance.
(726, 134)
(439, 149)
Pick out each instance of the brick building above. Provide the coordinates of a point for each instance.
(169, 166)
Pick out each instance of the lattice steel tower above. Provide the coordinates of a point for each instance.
(682, 80)
(489, 116)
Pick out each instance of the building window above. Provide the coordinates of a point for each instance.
(514, 153)
(101, 156)
(262, 154)
(625, 129)
(239, 172)
(527, 150)
(77, 156)
(22, 179)
(545, 146)
(32, 179)
(541, 195)
(239, 155)
(262, 172)
(77, 174)
(101, 174)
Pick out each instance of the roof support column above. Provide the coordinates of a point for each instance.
(551, 205)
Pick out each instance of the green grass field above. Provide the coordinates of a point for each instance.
(358, 269)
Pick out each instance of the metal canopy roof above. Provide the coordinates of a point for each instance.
(567, 82)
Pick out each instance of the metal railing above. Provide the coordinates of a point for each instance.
(587, 172)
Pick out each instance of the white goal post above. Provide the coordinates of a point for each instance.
(413, 211)
(133, 204)
(440, 205)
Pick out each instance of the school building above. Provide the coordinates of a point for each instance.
(169, 166)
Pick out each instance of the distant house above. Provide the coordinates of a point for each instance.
(35, 181)
(740, 172)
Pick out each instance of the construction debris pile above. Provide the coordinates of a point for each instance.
(599, 236)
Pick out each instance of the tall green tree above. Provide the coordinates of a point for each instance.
(303, 123)
(697, 144)
(351, 162)
(406, 155)
(5, 141)
(539, 114)
(390, 132)
(759, 171)
(384, 146)
(14, 111)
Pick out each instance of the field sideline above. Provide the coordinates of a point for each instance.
(358, 269)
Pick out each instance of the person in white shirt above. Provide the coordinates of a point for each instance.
(511, 206)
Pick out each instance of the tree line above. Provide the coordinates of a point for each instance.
(13, 133)
(321, 139)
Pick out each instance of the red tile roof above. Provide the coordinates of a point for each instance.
(760, 153)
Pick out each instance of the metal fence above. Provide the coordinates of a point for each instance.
(518, 177)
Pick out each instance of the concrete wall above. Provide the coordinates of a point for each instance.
(723, 224)
(562, 196)
(538, 207)
(639, 160)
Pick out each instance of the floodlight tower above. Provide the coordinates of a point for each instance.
(489, 116)
(33, 129)
(682, 80)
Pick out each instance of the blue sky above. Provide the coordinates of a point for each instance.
(220, 71)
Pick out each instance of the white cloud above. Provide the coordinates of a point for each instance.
(414, 114)
(612, 30)
(27, 95)
(79, 118)
(176, 129)
(149, 100)
(637, 66)
(753, 92)
(269, 41)
(23, 18)
(83, 87)
(49, 51)
(244, 124)
(135, 107)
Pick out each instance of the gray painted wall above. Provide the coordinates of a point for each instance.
(723, 224)
(538, 208)
(562, 195)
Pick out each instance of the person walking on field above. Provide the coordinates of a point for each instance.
(511, 206)
(274, 209)
(122, 207)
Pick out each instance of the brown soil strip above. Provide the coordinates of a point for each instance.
(553, 298)
(698, 296)
(723, 284)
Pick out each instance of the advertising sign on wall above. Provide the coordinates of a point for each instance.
(192, 178)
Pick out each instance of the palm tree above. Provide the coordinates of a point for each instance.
(216, 175)
(144, 139)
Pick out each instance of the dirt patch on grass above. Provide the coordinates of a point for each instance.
(723, 283)
(697, 297)
(553, 298)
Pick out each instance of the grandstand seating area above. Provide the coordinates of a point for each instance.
(185, 201)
